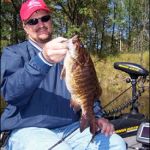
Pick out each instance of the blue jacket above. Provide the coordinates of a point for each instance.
(35, 94)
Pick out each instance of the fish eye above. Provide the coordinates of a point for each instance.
(81, 45)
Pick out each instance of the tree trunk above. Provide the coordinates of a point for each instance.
(103, 35)
(113, 30)
(129, 26)
(15, 27)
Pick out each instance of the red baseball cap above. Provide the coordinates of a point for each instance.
(30, 6)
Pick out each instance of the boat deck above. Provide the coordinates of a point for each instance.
(132, 143)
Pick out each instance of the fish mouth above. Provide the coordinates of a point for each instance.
(69, 44)
(72, 41)
(75, 38)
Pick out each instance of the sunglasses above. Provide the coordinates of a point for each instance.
(35, 21)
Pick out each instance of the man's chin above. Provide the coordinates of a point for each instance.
(44, 39)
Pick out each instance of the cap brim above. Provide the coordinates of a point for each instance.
(26, 16)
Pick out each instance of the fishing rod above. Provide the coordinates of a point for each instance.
(61, 140)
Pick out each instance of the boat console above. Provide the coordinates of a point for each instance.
(143, 134)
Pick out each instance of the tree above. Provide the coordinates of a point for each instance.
(105, 26)
(11, 31)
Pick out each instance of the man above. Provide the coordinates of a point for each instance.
(38, 112)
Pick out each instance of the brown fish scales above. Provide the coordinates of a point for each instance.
(82, 83)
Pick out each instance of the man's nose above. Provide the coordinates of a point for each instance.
(40, 23)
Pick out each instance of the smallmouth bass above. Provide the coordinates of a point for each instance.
(82, 82)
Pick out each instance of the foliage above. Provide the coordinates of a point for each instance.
(11, 30)
(106, 26)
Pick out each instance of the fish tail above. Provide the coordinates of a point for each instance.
(93, 128)
(85, 122)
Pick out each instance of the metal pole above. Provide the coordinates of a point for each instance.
(134, 108)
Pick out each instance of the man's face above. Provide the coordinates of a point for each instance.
(40, 32)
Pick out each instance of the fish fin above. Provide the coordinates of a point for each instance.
(63, 73)
(75, 105)
(84, 123)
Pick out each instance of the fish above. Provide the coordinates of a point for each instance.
(81, 81)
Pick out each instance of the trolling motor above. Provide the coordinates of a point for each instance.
(134, 71)
(128, 124)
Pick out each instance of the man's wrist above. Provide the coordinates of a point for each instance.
(44, 60)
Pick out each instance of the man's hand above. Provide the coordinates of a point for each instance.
(55, 50)
(105, 126)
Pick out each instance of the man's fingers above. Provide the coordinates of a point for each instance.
(60, 46)
(55, 50)
(60, 39)
(57, 43)
(106, 127)
(58, 51)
